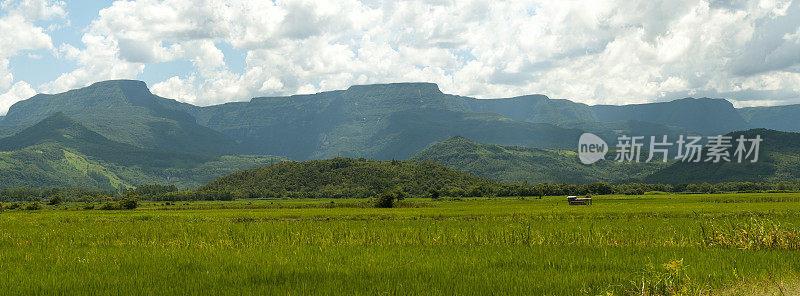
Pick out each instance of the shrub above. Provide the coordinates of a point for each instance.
(754, 234)
(130, 201)
(34, 206)
(12, 206)
(671, 279)
(433, 193)
(385, 200)
(634, 191)
(55, 200)
(110, 206)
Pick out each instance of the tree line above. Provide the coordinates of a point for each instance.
(157, 192)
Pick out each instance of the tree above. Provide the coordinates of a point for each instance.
(55, 200)
(386, 200)
(707, 188)
(130, 201)
(433, 193)
(34, 206)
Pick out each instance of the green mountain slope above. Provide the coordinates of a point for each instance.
(779, 160)
(705, 116)
(59, 151)
(410, 131)
(343, 177)
(123, 111)
(782, 118)
(610, 131)
(534, 165)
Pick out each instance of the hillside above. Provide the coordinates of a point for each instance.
(782, 118)
(534, 165)
(779, 160)
(343, 177)
(123, 111)
(60, 151)
(610, 131)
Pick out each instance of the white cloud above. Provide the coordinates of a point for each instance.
(628, 51)
(36, 9)
(99, 61)
(19, 91)
(21, 34)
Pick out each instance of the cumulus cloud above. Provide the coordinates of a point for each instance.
(19, 91)
(608, 52)
(21, 34)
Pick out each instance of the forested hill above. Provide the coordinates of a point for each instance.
(346, 177)
(533, 165)
(778, 160)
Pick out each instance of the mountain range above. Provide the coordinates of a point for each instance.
(382, 121)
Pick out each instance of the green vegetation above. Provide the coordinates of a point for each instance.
(120, 123)
(619, 245)
(348, 178)
(782, 118)
(129, 201)
(515, 164)
(61, 152)
(778, 161)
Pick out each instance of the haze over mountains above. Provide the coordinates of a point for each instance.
(385, 121)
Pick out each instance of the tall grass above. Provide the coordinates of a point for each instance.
(752, 233)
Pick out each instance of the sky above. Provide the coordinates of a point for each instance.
(209, 52)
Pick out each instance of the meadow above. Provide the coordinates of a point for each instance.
(730, 244)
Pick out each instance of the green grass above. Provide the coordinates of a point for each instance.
(471, 246)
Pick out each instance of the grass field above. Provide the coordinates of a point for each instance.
(692, 244)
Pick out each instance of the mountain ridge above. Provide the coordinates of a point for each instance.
(382, 121)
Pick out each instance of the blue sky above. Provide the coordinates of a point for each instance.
(214, 51)
(40, 66)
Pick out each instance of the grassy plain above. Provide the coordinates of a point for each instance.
(473, 246)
